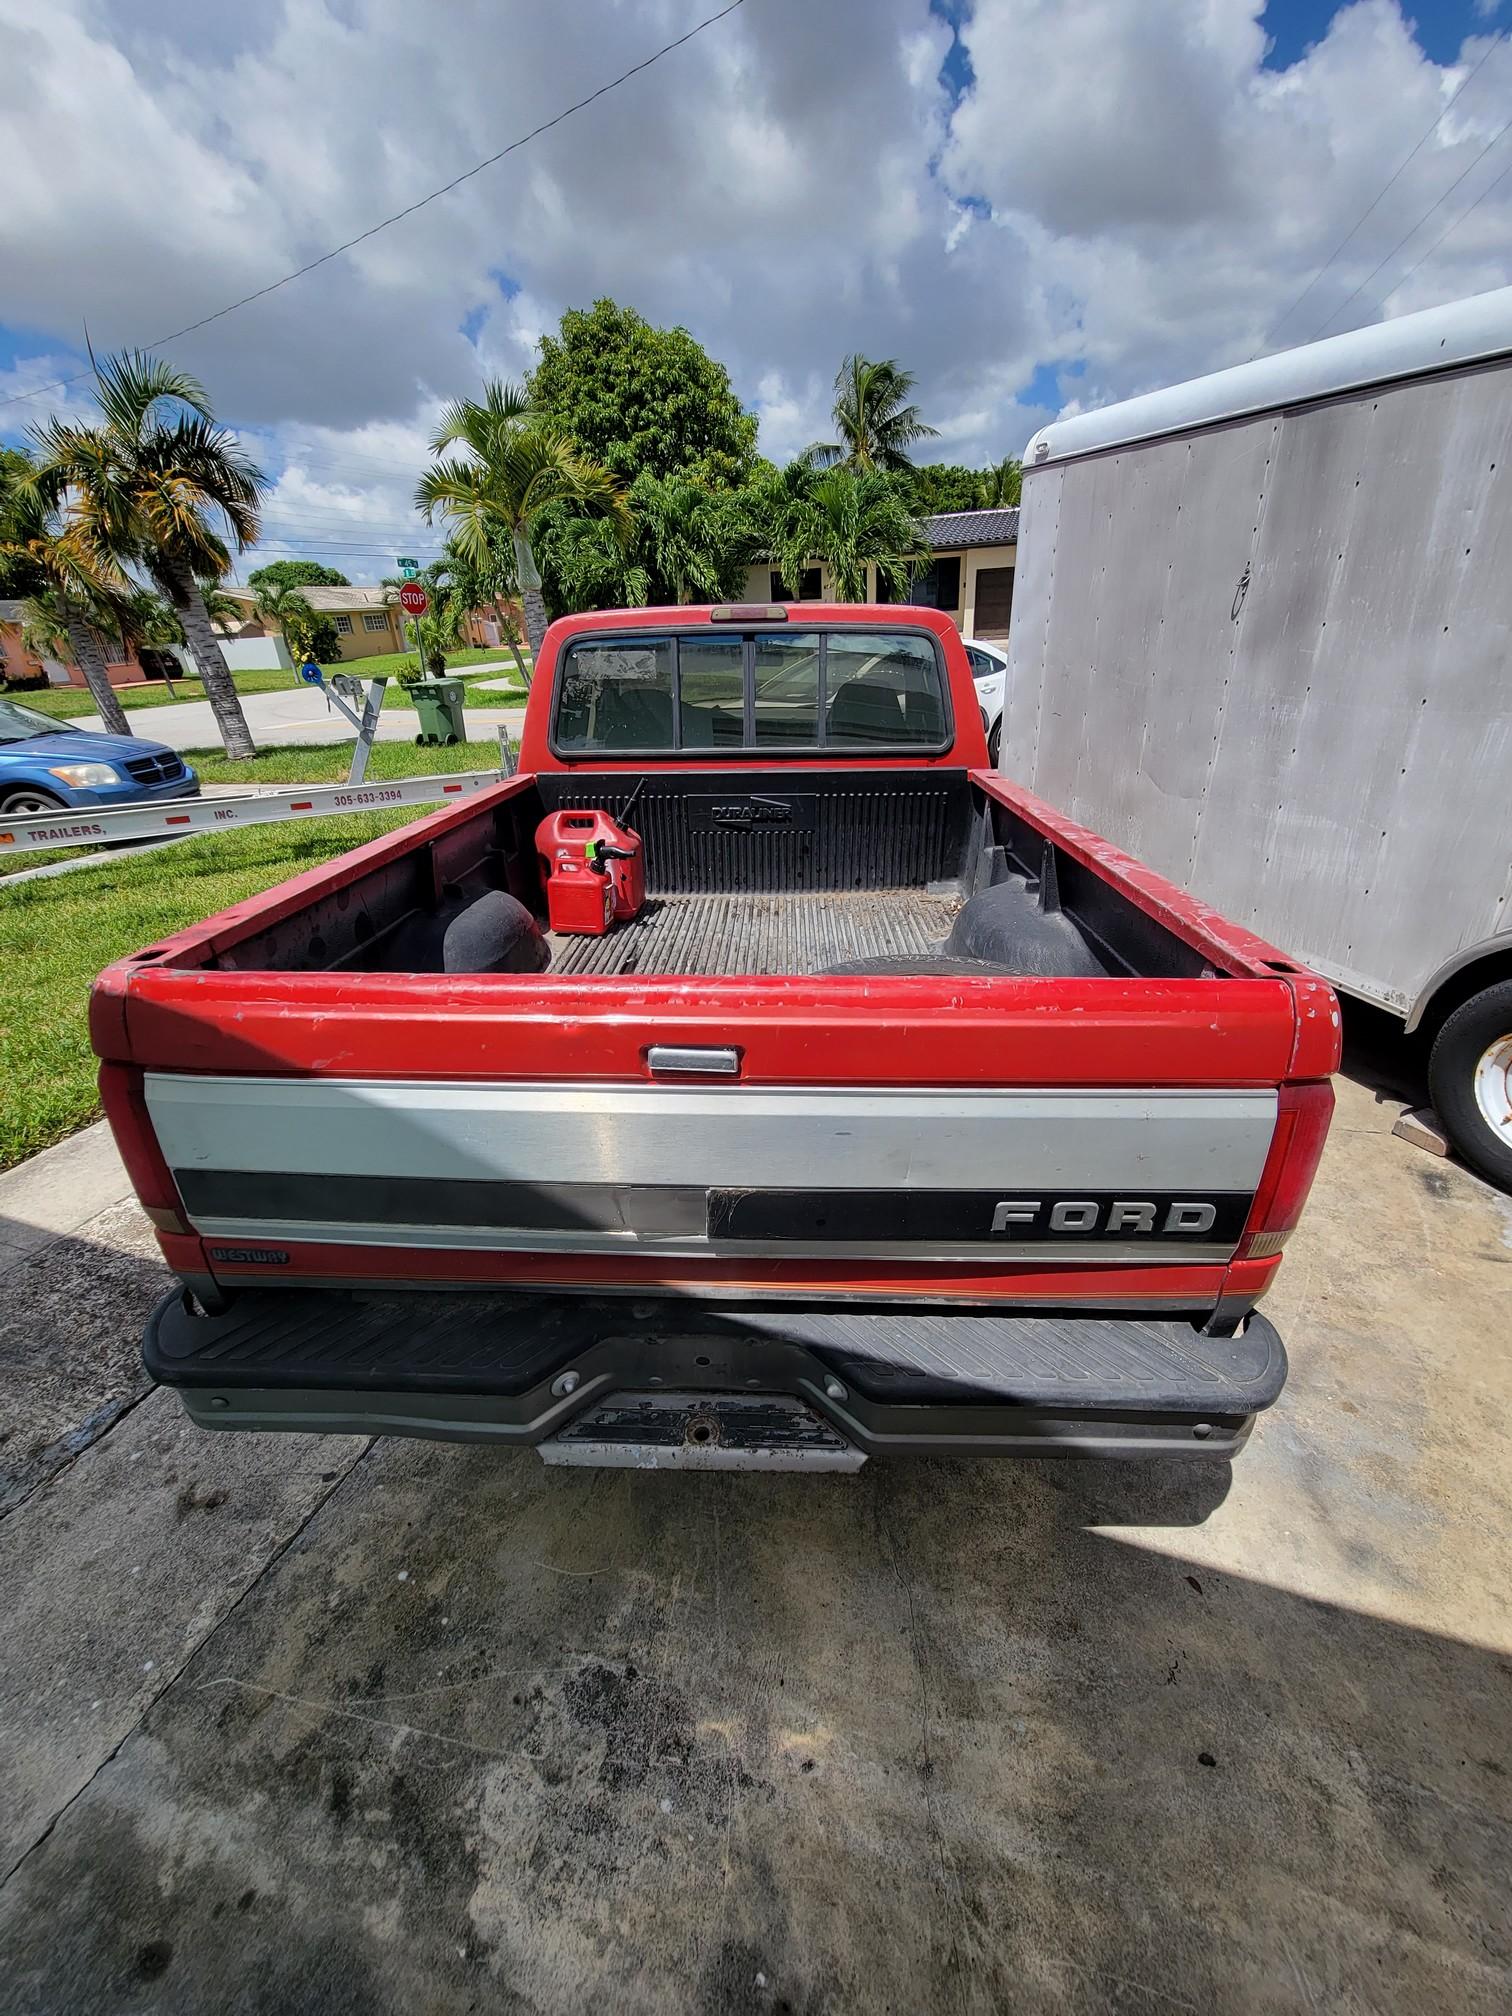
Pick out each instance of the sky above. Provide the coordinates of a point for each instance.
(1037, 206)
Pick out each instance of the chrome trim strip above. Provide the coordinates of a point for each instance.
(473, 1238)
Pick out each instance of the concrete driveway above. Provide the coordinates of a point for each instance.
(300, 714)
(299, 1724)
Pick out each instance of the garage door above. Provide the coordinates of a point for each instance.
(994, 601)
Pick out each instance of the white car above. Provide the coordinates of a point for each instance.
(989, 674)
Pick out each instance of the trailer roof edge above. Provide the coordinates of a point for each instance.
(1471, 331)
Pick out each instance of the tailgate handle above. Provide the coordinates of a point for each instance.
(671, 1060)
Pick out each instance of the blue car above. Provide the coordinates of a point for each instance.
(46, 766)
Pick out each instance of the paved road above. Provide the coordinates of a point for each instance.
(295, 1723)
(300, 714)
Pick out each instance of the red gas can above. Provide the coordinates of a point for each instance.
(594, 870)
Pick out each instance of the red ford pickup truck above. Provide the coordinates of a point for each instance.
(903, 1115)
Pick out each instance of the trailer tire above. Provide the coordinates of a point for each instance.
(1470, 1079)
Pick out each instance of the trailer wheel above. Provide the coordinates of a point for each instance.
(1470, 1078)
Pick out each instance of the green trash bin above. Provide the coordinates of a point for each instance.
(438, 702)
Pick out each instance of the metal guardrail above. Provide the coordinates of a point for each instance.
(177, 818)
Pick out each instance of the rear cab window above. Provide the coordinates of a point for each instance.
(767, 690)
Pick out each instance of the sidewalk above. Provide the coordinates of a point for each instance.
(300, 714)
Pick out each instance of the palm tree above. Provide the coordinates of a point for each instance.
(153, 482)
(44, 627)
(516, 464)
(277, 602)
(224, 610)
(849, 520)
(874, 420)
(1002, 483)
(489, 585)
(690, 537)
(70, 591)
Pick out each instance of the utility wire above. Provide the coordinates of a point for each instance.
(1366, 214)
(445, 189)
(1413, 232)
(1403, 278)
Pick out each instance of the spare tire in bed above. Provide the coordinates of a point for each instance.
(491, 933)
(494, 933)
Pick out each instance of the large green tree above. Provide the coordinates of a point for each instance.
(297, 574)
(642, 400)
(155, 481)
(945, 486)
(514, 465)
(876, 423)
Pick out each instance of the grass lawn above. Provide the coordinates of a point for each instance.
(294, 764)
(56, 934)
(456, 661)
(68, 703)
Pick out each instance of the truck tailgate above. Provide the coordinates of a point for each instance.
(859, 1173)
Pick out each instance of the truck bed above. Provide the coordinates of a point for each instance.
(916, 871)
(706, 933)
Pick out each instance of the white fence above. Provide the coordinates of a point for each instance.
(249, 654)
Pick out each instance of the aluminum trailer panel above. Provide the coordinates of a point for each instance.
(1269, 655)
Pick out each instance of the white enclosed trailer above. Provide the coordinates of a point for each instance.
(1262, 638)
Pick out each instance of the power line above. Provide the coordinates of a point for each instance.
(1403, 278)
(352, 528)
(410, 209)
(312, 540)
(1367, 213)
(1414, 231)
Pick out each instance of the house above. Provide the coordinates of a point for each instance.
(970, 575)
(369, 622)
(19, 666)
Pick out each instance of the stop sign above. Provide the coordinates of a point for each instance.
(413, 599)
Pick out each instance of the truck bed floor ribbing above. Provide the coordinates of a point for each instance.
(763, 933)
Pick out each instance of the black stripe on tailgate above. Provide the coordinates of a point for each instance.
(1152, 1218)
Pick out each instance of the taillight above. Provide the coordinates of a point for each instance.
(1302, 1116)
(125, 1104)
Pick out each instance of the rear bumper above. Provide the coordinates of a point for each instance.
(710, 1384)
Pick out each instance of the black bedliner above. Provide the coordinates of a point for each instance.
(804, 872)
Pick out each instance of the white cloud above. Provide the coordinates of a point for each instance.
(1124, 189)
(1177, 196)
(791, 417)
